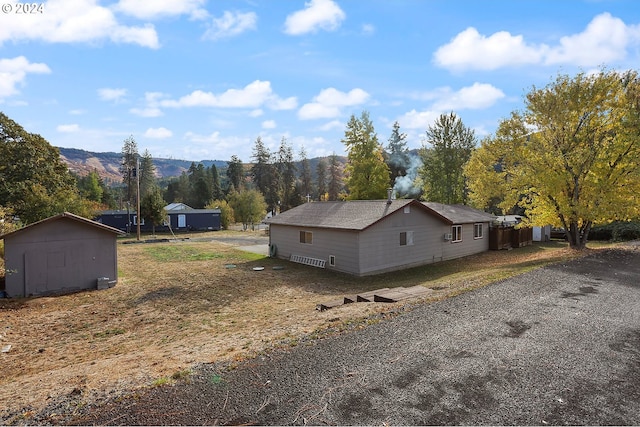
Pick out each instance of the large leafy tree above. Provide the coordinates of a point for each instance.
(367, 173)
(34, 182)
(571, 158)
(248, 206)
(450, 144)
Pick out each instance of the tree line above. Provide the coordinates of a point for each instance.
(570, 158)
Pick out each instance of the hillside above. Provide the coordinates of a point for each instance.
(108, 164)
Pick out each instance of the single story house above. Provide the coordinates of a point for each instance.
(60, 254)
(180, 216)
(364, 237)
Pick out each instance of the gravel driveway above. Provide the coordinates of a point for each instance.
(559, 345)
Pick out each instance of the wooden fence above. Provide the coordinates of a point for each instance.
(501, 237)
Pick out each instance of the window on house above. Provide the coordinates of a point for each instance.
(135, 220)
(306, 237)
(456, 233)
(406, 238)
(477, 231)
(407, 209)
(332, 260)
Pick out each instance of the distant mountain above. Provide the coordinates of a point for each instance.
(108, 164)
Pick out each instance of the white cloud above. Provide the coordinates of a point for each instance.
(605, 39)
(70, 21)
(269, 124)
(334, 124)
(256, 113)
(231, 24)
(109, 94)
(418, 119)
(317, 14)
(68, 128)
(13, 72)
(329, 102)
(471, 50)
(475, 97)
(161, 8)
(158, 133)
(254, 95)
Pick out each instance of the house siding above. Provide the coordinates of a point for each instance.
(380, 248)
(341, 244)
(468, 245)
(58, 257)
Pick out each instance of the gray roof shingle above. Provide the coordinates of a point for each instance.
(360, 214)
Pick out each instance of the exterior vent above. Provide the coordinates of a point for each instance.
(447, 237)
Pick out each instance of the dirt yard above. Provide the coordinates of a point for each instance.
(178, 304)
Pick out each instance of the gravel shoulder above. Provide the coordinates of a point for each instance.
(558, 345)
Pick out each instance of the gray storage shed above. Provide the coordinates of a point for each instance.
(60, 254)
(364, 237)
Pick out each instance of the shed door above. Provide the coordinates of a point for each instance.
(182, 221)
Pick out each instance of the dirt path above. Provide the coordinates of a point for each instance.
(558, 345)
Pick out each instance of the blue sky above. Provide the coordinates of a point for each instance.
(198, 79)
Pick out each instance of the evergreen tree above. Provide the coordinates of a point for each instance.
(306, 188)
(397, 156)
(235, 173)
(335, 178)
(147, 173)
(287, 177)
(152, 207)
(129, 168)
(264, 174)
(321, 172)
(367, 173)
(90, 187)
(216, 189)
(442, 171)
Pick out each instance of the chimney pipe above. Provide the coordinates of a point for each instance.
(389, 194)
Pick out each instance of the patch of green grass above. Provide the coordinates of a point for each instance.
(160, 382)
(180, 253)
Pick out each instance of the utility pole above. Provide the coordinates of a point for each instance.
(138, 193)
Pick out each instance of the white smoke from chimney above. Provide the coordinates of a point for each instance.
(405, 186)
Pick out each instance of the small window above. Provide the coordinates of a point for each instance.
(135, 220)
(407, 209)
(306, 237)
(332, 260)
(477, 231)
(406, 238)
(456, 233)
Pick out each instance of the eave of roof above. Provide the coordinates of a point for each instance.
(60, 216)
(355, 215)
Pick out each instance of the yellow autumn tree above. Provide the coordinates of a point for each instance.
(570, 159)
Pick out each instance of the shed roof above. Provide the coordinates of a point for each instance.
(68, 215)
(346, 215)
(459, 214)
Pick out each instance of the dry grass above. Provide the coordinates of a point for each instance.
(178, 304)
